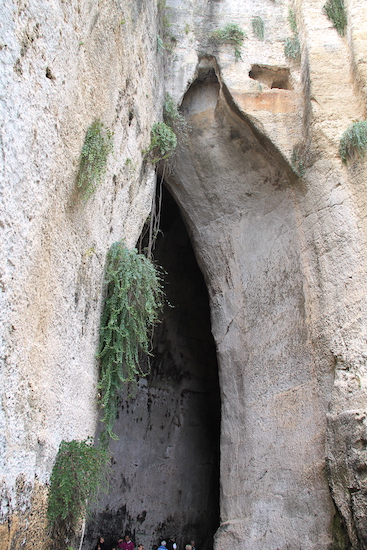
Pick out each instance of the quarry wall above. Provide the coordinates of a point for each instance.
(278, 227)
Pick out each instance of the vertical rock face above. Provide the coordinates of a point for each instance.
(63, 66)
(241, 210)
(283, 257)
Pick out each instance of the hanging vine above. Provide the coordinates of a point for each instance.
(133, 300)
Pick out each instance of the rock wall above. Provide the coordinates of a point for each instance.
(240, 207)
(63, 65)
(282, 255)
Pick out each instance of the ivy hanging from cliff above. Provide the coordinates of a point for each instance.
(78, 475)
(134, 297)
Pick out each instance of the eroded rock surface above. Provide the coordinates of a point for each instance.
(240, 207)
(283, 257)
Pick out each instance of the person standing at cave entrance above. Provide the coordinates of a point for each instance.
(171, 544)
(192, 543)
(126, 544)
(163, 545)
(101, 545)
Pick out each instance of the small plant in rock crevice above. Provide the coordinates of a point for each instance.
(335, 12)
(79, 473)
(353, 142)
(163, 142)
(230, 34)
(298, 161)
(98, 144)
(258, 27)
(174, 119)
(292, 47)
(134, 297)
(292, 21)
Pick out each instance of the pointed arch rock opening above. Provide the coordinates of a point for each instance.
(166, 460)
(239, 201)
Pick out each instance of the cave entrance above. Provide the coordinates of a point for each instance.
(185, 364)
(166, 460)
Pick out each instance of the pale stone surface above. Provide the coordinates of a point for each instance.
(240, 208)
(284, 259)
(329, 216)
(62, 66)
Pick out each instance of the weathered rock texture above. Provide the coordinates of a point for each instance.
(63, 65)
(283, 258)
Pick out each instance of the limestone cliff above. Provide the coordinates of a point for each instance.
(278, 228)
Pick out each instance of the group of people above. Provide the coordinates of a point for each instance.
(172, 545)
(127, 544)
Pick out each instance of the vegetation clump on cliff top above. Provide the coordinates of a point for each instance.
(97, 146)
(77, 476)
(335, 12)
(133, 299)
(353, 142)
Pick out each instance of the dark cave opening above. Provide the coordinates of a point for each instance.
(184, 353)
(166, 461)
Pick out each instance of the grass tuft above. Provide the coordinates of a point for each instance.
(292, 48)
(335, 12)
(353, 142)
(230, 34)
(258, 27)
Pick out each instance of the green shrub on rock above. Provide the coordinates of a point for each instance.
(175, 120)
(292, 48)
(353, 142)
(230, 34)
(77, 476)
(93, 159)
(335, 12)
(163, 142)
(258, 27)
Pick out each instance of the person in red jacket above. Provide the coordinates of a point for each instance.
(126, 544)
